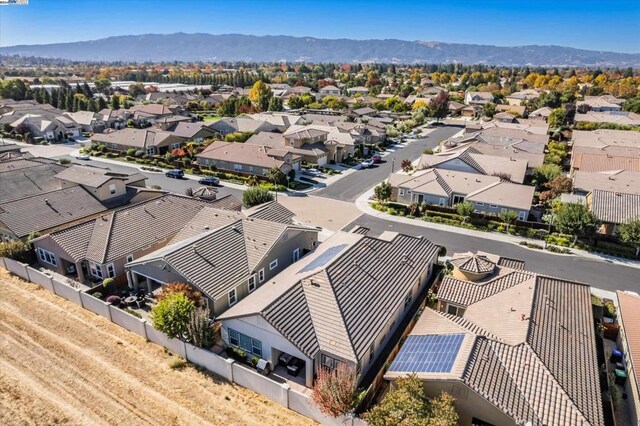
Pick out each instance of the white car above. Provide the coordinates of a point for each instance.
(367, 163)
(313, 172)
(83, 157)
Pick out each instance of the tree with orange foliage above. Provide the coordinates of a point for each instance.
(335, 391)
(182, 288)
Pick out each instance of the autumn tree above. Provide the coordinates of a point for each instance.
(406, 165)
(259, 95)
(335, 391)
(180, 288)
(439, 106)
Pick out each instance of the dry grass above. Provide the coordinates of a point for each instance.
(60, 364)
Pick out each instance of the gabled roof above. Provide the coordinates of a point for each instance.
(24, 178)
(615, 207)
(616, 181)
(241, 153)
(272, 211)
(95, 176)
(335, 287)
(139, 138)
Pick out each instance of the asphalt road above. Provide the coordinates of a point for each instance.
(350, 187)
(597, 273)
(168, 184)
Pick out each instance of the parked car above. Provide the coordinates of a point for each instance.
(294, 366)
(376, 158)
(175, 173)
(82, 157)
(313, 172)
(367, 163)
(209, 180)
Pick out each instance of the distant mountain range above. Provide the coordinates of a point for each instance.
(235, 47)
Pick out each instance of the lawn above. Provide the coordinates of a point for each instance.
(61, 364)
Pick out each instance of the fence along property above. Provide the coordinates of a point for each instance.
(228, 369)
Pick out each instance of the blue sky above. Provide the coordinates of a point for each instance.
(587, 24)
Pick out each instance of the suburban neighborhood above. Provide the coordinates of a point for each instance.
(343, 242)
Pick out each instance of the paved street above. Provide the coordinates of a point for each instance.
(600, 274)
(350, 187)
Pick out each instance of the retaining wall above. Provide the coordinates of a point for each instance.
(174, 345)
(128, 321)
(66, 291)
(260, 384)
(40, 278)
(212, 362)
(16, 268)
(95, 305)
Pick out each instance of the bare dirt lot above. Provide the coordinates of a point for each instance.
(60, 364)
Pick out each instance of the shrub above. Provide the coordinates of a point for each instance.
(335, 391)
(235, 353)
(132, 312)
(177, 364)
(172, 315)
(180, 288)
(16, 250)
(131, 152)
(156, 187)
(256, 195)
(114, 300)
(139, 153)
(97, 295)
(107, 282)
(64, 161)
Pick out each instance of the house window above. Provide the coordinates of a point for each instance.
(372, 352)
(329, 362)
(479, 204)
(458, 199)
(112, 189)
(401, 191)
(151, 150)
(233, 297)
(252, 283)
(273, 265)
(442, 202)
(246, 343)
(250, 169)
(47, 257)
(407, 300)
(261, 275)
(111, 271)
(455, 310)
(130, 258)
(237, 167)
(522, 216)
(296, 255)
(96, 270)
(493, 206)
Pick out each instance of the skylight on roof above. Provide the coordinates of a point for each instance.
(433, 353)
(324, 258)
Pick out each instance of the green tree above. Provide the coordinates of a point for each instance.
(115, 102)
(102, 84)
(335, 391)
(557, 117)
(406, 165)
(277, 176)
(489, 109)
(259, 95)
(382, 191)
(256, 195)
(275, 104)
(575, 219)
(632, 105)
(465, 210)
(630, 233)
(508, 217)
(439, 106)
(172, 315)
(546, 173)
(136, 89)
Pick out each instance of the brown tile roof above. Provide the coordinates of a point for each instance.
(272, 211)
(48, 210)
(475, 263)
(603, 162)
(615, 207)
(241, 153)
(630, 318)
(466, 293)
(138, 138)
(29, 181)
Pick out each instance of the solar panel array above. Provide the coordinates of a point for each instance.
(432, 353)
(324, 258)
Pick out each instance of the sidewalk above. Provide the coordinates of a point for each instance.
(362, 203)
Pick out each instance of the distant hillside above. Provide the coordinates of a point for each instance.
(234, 47)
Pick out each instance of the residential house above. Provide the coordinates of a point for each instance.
(510, 122)
(225, 257)
(99, 248)
(446, 188)
(196, 132)
(455, 108)
(114, 118)
(470, 160)
(48, 126)
(150, 141)
(319, 310)
(511, 346)
(623, 118)
(516, 98)
(515, 110)
(593, 161)
(242, 124)
(338, 142)
(247, 159)
(604, 103)
(613, 208)
(281, 121)
(478, 98)
(357, 91)
(609, 142)
(540, 114)
(629, 344)
(88, 121)
(170, 122)
(328, 91)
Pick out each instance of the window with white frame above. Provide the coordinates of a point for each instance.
(479, 204)
(252, 283)
(233, 297)
(442, 202)
(47, 257)
(455, 310)
(296, 255)
(151, 150)
(130, 258)
(522, 216)
(261, 275)
(493, 206)
(112, 189)
(111, 271)
(401, 191)
(273, 265)
(95, 269)
(244, 342)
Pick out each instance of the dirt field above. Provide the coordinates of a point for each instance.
(60, 364)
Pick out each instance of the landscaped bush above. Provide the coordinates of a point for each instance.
(139, 153)
(114, 300)
(131, 152)
(172, 315)
(235, 353)
(554, 249)
(531, 245)
(16, 250)
(256, 195)
(64, 161)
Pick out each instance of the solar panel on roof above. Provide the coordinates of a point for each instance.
(324, 258)
(433, 353)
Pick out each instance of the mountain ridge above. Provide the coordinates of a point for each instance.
(186, 47)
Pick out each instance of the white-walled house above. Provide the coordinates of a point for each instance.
(339, 304)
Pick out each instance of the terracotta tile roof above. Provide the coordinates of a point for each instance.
(603, 162)
(630, 318)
